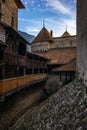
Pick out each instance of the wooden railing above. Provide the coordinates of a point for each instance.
(10, 59)
(14, 59)
(8, 85)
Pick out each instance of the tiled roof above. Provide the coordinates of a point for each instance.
(37, 57)
(71, 66)
(65, 34)
(9, 28)
(19, 3)
(43, 36)
(61, 55)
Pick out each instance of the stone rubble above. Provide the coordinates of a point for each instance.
(64, 110)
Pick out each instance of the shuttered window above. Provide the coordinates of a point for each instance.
(12, 21)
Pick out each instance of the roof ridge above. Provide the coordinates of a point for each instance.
(43, 35)
(66, 34)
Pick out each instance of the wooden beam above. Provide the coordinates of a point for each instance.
(19, 4)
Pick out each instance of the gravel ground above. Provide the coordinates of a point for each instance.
(64, 110)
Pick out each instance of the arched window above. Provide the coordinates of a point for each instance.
(12, 46)
(21, 48)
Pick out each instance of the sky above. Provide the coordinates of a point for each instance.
(56, 14)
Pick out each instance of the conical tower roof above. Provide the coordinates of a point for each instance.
(43, 36)
(65, 34)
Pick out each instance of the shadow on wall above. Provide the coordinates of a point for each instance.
(53, 84)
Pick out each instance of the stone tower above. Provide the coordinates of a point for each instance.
(82, 39)
(9, 12)
(40, 44)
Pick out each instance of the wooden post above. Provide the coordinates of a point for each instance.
(66, 75)
(3, 71)
(60, 75)
(33, 67)
(24, 71)
(38, 68)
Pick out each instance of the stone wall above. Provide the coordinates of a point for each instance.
(82, 40)
(40, 47)
(64, 42)
(10, 13)
(58, 42)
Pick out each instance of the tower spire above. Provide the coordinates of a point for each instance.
(66, 28)
(43, 23)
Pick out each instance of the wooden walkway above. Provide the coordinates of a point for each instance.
(11, 85)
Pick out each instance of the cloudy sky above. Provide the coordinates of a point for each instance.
(55, 13)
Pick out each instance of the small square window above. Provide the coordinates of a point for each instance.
(12, 21)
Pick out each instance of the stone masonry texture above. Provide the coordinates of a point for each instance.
(9, 10)
(65, 110)
(82, 39)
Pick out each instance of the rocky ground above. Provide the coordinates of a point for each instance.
(64, 110)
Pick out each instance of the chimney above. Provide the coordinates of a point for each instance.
(51, 33)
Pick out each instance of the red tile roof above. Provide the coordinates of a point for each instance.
(43, 36)
(37, 56)
(61, 55)
(71, 66)
(65, 34)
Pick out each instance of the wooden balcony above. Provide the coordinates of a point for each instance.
(22, 60)
(14, 59)
(12, 84)
(10, 59)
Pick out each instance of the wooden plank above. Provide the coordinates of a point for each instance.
(0, 87)
(11, 84)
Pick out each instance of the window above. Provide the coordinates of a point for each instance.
(1, 54)
(12, 47)
(12, 21)
(3, 1)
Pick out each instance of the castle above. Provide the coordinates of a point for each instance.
(45, 41)
(60, 50)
